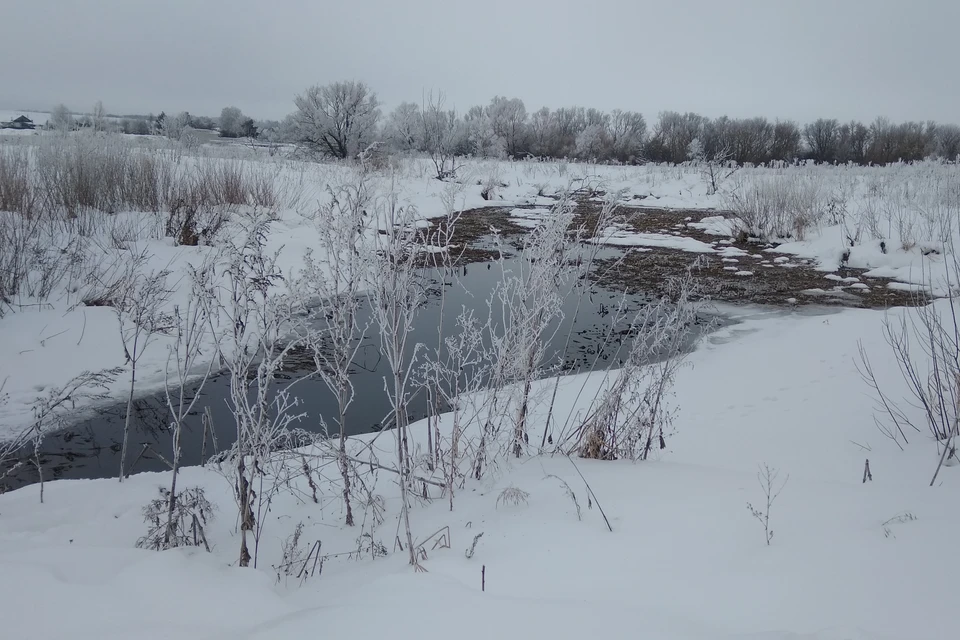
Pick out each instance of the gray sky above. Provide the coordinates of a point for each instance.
(776, 58)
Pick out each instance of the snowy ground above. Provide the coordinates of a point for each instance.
(685, 559)
(849, 560)
(38, 117)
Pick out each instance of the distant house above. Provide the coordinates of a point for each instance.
(23, 122)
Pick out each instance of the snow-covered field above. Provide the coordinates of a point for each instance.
(685, 558)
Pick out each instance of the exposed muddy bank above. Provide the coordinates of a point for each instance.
(729, 269)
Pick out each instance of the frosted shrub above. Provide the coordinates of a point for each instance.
(16, 190)
(191, 514)
(785, 206)
(83, 170)
(633, 414)
(514, 496)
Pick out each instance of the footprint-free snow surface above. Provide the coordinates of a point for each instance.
(848, 559)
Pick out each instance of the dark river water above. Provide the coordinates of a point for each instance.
(90, 448)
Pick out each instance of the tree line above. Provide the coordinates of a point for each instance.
(343, 118)
(340, 119)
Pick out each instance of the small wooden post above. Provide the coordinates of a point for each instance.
(483, 578)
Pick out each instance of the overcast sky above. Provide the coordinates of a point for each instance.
(788, 59)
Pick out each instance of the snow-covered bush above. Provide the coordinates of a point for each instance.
(255, 311)
(925, 342)
(632, 414)
(784, 206)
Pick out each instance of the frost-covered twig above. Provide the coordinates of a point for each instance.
(336, 279)
(768, 480)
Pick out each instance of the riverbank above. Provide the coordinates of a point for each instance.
(848, 559)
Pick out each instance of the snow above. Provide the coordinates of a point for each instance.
(39, 117)
(622, 236)
(870, 561)
(685, 559)
(716, 225)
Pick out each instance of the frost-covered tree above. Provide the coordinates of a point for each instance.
(627, 130)
(567, 123)
(673, 134)
(592, 143)
(713, 163)
(98, 117)
(508, 118)
(947, 141)
(442, 134)
(541, 125)
(339, 119)
(404, 127)
(60, 119)
(484, 140)
(190, 326)
(230, 120)
(174, 127)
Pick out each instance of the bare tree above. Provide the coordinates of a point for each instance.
(441, 133)
(627, 131)
(339, 119)
(483, 137)
(715, 167)
(673, 134)
(821, 139)
(786, 141)
(541, 131)
(593, 143)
